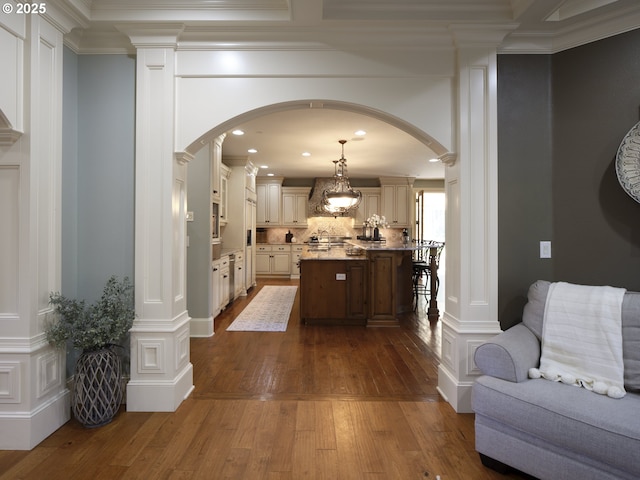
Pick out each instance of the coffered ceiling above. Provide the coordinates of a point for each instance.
(526, 26)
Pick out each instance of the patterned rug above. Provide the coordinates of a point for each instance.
(268, 312)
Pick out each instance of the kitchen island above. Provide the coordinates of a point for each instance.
(362, 283)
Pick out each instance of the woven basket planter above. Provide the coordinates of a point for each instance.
(97, 390)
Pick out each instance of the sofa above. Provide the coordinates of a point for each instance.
(548, 429)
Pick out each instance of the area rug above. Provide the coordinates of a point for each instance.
(268, 312)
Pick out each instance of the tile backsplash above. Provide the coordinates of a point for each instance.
(340, 226)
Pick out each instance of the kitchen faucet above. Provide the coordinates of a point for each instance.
(326, 234)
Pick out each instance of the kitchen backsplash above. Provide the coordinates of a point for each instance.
(340, 227)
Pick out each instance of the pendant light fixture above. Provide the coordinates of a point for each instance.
(340, 198)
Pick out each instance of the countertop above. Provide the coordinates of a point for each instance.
(335, 253)
(339, 253)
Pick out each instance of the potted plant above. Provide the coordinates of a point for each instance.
(95, 330)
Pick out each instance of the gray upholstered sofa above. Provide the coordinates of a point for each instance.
(550, 430)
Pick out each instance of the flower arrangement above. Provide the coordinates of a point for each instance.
(92, 327)
(376, 220)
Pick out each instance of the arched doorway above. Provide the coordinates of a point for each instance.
(401, 147)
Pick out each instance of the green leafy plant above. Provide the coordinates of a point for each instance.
(95, 326)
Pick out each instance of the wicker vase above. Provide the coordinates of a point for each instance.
(97, 390)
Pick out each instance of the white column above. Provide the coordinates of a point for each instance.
(33, 399)
(161, 371)
(471, 185)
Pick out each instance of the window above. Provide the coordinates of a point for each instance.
(430, 208)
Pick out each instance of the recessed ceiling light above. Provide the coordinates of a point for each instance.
(252, 150)
(360, 133)
(306, 154)
(434, 160)
(264, 166)
(238, 132)
(270, 174)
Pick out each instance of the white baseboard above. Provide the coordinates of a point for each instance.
(160, 396)
(457, 394)
(28, 429)
(201, 327)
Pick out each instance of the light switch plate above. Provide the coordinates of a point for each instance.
(545, 249)
(341, 276)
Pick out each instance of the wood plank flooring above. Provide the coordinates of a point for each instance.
(315, 402)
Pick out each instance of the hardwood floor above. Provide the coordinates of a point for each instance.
(314, 402)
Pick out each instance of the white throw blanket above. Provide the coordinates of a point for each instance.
(582, 338)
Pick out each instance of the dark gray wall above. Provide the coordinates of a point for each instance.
(596, 95)
(524, 178)
(561, 119)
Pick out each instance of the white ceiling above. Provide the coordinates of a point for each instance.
(282, 137)
(528, 26)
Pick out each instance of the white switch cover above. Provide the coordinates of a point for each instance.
(545, 249)
(341, 276)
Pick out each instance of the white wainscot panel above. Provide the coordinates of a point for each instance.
(151, 356)
(49, 372)
(10, 382)
(9, 241)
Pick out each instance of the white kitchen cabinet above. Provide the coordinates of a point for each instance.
(296, 251)
(268, 199)
(369, 205)
(215, 288)
(396, 201)
(295, 203)
(215, 156)
(224, 282)
(238, 277)
(225, 172)
(273, 260)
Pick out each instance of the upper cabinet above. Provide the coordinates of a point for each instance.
(268, 199)
(295, 201)
(397, 200)
(369, 205)
(225, 172)
(216, 163)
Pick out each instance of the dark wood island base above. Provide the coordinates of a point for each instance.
(371, 289)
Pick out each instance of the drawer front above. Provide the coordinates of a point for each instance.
(263, 248)
(281, 248)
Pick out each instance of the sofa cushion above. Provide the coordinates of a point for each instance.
(631, 340)
(533, 316)
(568, 418)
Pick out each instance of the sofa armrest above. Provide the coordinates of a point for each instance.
(510, 354)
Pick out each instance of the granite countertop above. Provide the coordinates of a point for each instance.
(388, 245)
(335, 253)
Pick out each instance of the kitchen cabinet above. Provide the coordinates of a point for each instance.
(215, 158)
(295, 203)
(334, 291)
(273, 260)
(238, 277)
(224, 282)
(268, 199)
(225, 172)
(296, 251)
(369, 205)
(215, 288)
(396, 201)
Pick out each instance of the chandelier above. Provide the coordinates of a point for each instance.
(340, 198)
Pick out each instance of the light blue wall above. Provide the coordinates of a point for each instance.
(70, 174)
(199, 251)
(106, 169)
